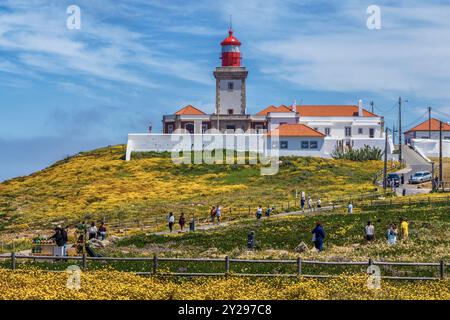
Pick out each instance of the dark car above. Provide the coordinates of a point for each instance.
(393, 179)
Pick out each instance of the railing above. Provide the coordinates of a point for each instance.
(153, 266)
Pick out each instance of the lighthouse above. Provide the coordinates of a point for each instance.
(230, 80)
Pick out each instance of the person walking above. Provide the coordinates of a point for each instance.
(350, 208)
(213, 214)
(310, 206)
(171, 221)
(268, 210)
(392, 234)
(218, 213)
(92, 231)
(302, 203)
(65, 239)
(182, 221)
(370, 232)
(404, 228)
(102, 231)
(318, 236)
(259, 213)
(319, 203)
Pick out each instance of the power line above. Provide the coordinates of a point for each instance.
(442, 113)
(417, 120)
(387, 110)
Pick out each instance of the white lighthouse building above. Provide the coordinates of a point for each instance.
(309, 130)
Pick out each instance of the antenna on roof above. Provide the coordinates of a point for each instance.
(231, 22)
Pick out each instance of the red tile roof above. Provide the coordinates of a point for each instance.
(424, 126)
(189, 110)
(295, 130)
(331, 111)
(281, 108)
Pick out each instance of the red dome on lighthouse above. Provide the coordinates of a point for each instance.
(230, 40)
(231, 54)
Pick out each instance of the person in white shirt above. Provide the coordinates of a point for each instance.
(92, 231)
(350, 208)
(171, 220)
(319, 203)
(370, 231)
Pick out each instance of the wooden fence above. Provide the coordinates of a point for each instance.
(153, 266)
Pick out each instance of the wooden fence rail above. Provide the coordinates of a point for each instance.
(153, 263)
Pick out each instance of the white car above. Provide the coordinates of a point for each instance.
(421, 176)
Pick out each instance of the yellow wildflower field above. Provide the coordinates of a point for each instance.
(100, 183)
(118, 285)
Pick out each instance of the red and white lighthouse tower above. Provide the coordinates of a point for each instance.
(231, 53)
(230, 80)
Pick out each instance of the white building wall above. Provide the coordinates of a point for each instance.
(337, 125)
(275, 118)
(252, 142)
(230, 99)
(424, 135)
(430, 148)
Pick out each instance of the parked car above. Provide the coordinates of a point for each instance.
(393, 178)
(419, 177)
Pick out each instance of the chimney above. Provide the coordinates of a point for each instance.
(360, 108)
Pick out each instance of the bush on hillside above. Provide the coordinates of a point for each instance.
(362, 154)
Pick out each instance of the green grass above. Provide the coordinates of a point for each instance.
(280, 236)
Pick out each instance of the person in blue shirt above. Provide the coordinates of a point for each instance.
(268, 210)
(318, 236)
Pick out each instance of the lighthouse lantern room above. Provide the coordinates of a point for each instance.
(230, 79)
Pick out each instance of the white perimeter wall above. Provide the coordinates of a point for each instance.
(430, 148)
(250, 142)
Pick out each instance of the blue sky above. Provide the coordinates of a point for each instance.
(64, 91)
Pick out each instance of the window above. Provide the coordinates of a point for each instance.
(348, 131)
(204, 128)
(305, 144)
(230, 86)
(189, 127)
(317, 129)
(169, 128)
(283, 144)
(360, 130)
(230, 111)
(372, 133)
(447, 138)
(231, 129)
(313, 144)
(327, 131)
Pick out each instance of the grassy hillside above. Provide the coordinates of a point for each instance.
(100, 183)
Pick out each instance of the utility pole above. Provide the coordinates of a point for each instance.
(385, 159)
(440, 151)
(371, 105)
(429, 123)
(400, 158)
(394, 130)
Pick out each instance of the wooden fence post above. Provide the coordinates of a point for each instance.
(13, 260)
(84, 262)
(155, 264)
(227, 264)
(442, 269)
(299, 266)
